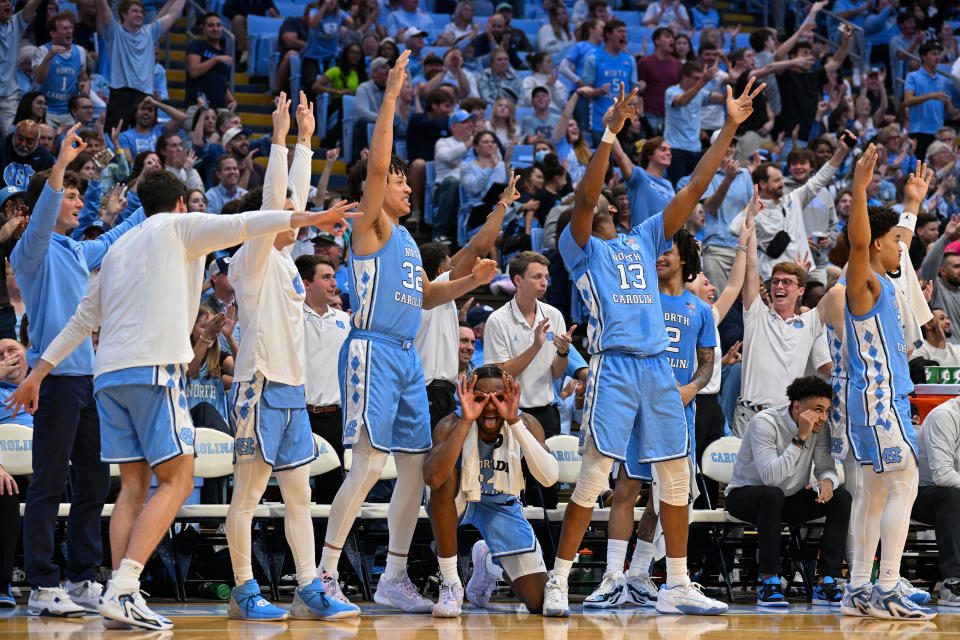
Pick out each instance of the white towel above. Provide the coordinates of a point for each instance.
(509, 452)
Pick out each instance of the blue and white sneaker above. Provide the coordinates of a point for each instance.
(688, 599)
(827, 593)
(311, 603)
(896, 605)
(6, 599)
(770, 593)
(610, 593)
(120, 608)
(246, 603)
(556, 603)
(856, 600)
(919, 596)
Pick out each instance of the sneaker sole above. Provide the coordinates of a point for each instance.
(689, 610)
(778, 605)
(854, 612)
(556, 613)
(948, 603)
(234, 612)
(135, 623)
(46, 613)
(825, 603)
(387, 602)
(446, 614)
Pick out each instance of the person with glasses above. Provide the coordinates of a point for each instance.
(777, 341)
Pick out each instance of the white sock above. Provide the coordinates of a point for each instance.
(642, 557)
(677, 572)
(889, 574)
(448, 569)
(127, 577)
(492, 567)
(860, 573)
(396, 568)
(616, 555)
(329, 559)
(561, 569)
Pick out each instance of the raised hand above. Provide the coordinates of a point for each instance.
(730, 167)
(333, 154)
(740, 108)
(623, 110)
(509, 407)
(952, 230)
(334, 219)
(71, 146)
(306, 121)
(510, 193)
(212, 329)
(754, 207)
(562, 341)
(465, 309)
(281, 118)
(485, 270)
(733, 355)
(189, 160)
(397, 75)
(540, 332)
(863, 172)
(229, 321)
(116, 201)
(471, 403)
(915, 190)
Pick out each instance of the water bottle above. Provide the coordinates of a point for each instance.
(213, 591)
(586, 573)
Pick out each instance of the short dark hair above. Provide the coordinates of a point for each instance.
(74, 100)
(690, 68)
(762, 172)
(656, 34)
(799, 155)
(803, 44)
(537, 90)
(928, 46)
(487, 371)
(688, 250)
(759, 38)
(611, 26)
(536, 59)
(39, 180)
(648, 149)
(926, 218)
(437, 96)
(882, 219)
(518, 265)
(432, 254)
(208, 14)
(160, 191)
(551, 171)
(706, 46)
(903, 17)
(808, 387)
(471, 104)
(358, 175)
(223, 158)
(307, 265)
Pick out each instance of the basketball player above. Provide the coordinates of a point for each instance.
(631, 391)
(881, 435)
(831, 311)
(268, 406)
(139, 369)
(475, 460)
(381, 378)
(692, 334)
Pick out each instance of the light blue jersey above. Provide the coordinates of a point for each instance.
(61, 81)
(601, 69)
(386, 294)
(878, 406)
(617, 280)
(206, 388)
(689, 323)
(840, 383)
(648, 195)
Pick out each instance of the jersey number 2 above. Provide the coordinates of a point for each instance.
(634, 278)
(414, 279)
(674, 334)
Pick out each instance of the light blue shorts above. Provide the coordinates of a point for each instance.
(144, 422)
(384, 392)
(866, 441)
(282, 435)
(633, 407)
(644, 470)
(502, 525)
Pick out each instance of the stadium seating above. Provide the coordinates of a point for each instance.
(262, 39)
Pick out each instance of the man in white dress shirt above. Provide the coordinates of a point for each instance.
(529, 340)
(324, 331)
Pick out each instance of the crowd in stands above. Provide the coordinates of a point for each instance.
(509, 88)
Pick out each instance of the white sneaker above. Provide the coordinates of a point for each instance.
(401, 594)
(481, 584)
(129, 607)
(555, 597)
(917, 596)
(332, 587)
(450, 601)
(688, 599)
(640, 591)
(950, 593)
(85, 594)
(53, 602)
(610, 593)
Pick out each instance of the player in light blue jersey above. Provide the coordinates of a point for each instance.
(384, 396)
(692, 334)
(631, 391)
(878, 411)
(475, 478)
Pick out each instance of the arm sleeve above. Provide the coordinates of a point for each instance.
(252, 256)
(91, 208)
(202, 233)
(35, 241)
(94, 250)
(931, 263)
(85, 320)
(298, 181)
(774, 468)
(543, 466)
(941, 442)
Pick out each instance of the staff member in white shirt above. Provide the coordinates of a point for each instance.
(324, 331)
(529, 340)
(437, 338)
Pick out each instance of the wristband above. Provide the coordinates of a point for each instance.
(205, 340)
(501, 202)
(608, 136)
(564, 354)
(741, 247)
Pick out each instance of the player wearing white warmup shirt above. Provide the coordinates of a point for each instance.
(631, 390)
(381, 377)
(139, 368)
(267, 404)
(881, 435)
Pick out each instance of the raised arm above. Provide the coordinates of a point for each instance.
(681, 206)
(783, 51)
(846, 41)
(751, 275)
(863, 288)
(104, 14)
(588, 191)
(481, 243)
(730, 167)
(560, 129)
(29, 11)
(169, 14)
(748, 239)
(623, 161)
(372, 229)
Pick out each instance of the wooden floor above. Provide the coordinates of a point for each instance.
(500, 622)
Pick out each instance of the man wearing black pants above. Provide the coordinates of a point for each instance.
(325, 329)
(708, 427)
(771, 485)
(938, 498)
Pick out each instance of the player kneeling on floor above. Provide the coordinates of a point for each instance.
(475, 477)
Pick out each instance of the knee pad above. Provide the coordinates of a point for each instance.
(673, 477)
(593, 478)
